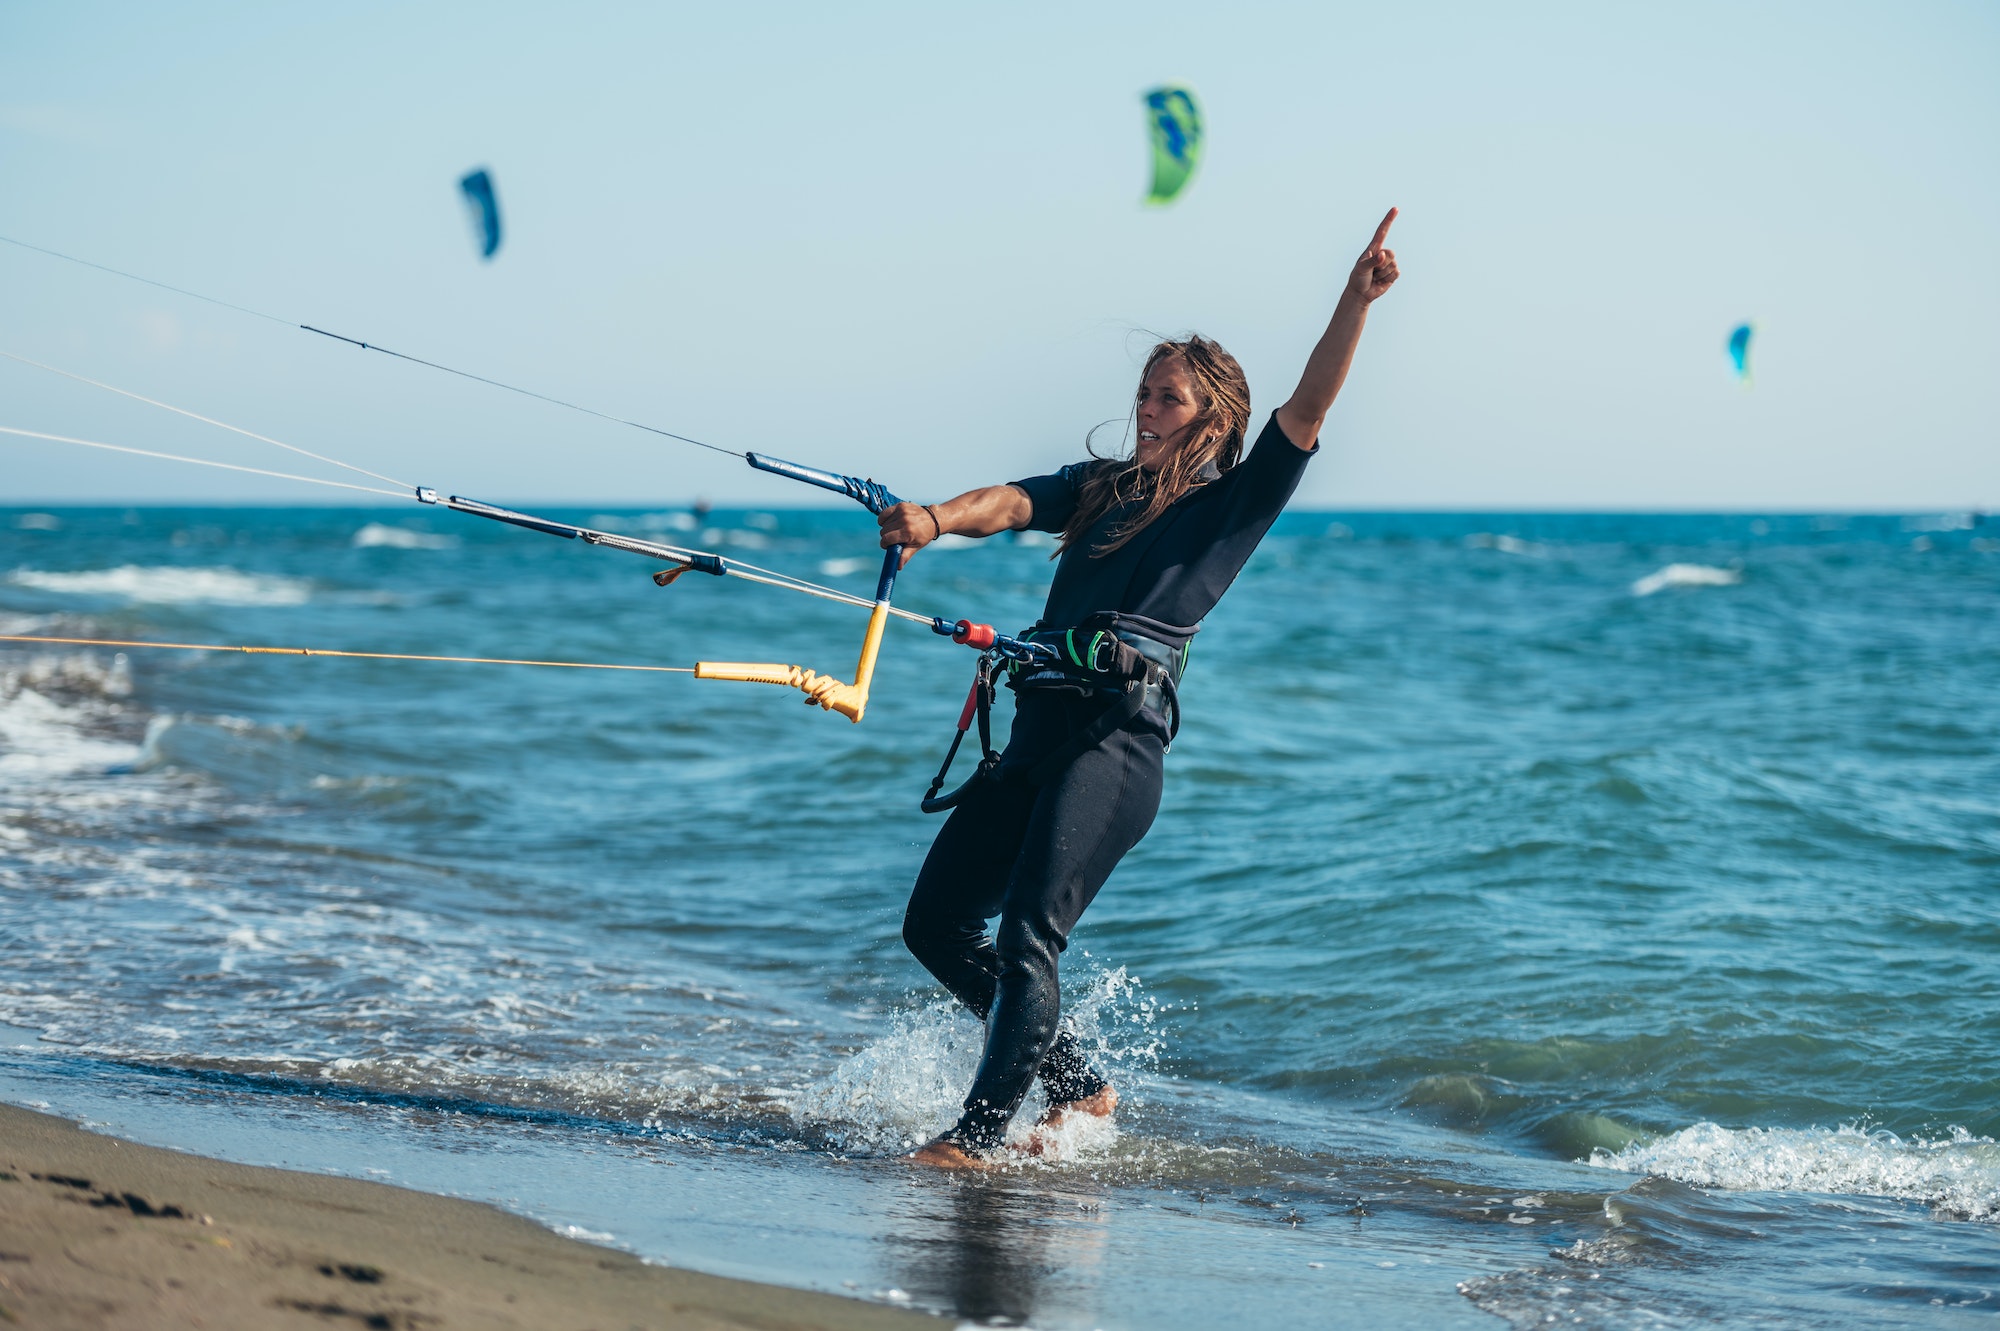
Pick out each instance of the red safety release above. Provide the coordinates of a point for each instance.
(973, 635)
(971, 706)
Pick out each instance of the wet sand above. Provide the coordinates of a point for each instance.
(96, 1232)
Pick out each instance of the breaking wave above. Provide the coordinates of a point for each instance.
(170, 586)
(1957, 1176)
(54, 712)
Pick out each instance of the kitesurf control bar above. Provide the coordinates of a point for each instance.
(875, 497)
(871, 495)
(831, 693)
(850, 700)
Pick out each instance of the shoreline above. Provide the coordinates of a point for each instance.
(99, 1232)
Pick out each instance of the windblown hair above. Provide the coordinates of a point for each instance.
(1215, 435)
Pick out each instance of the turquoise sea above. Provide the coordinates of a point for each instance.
(1553, 920)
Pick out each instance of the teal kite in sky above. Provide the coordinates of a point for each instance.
(485, 207)
(1739, 352)
(1176, 126)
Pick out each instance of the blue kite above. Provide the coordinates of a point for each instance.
(485, 209)
(1739, 352)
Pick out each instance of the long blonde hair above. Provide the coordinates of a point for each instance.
(1215, 435)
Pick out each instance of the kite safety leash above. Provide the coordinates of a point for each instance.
(978, 707)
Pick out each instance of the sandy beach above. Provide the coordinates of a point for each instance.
(96, 1232)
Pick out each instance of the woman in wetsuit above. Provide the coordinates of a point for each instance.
(1149, 545)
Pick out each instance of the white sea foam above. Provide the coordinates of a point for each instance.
(38, 522)
(1506, 545)
(171, 586)
(734, 538)
(647, 522)
(42, 737)
(1686, 575)
(842, 567)
(27, 623)
(400, 538)
(1957, 1176)
(1940, 522)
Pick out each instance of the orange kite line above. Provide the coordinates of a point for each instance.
(318, 651)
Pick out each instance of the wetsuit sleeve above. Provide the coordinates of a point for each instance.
(1262, 484)
(1053, 496)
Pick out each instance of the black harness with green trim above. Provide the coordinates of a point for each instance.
(1134, 661)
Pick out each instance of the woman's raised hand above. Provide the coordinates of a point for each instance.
(1326, 369)
(1375, 271)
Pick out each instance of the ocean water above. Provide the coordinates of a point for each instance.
(1552, 920)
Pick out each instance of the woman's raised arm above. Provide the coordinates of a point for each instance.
(1326, 369)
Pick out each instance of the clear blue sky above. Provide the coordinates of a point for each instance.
(907, 240)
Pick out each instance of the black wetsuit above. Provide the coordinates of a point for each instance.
(1035, 855)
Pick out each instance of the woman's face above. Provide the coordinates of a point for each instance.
(1166, 409)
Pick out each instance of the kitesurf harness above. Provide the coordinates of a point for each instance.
(1134, 661)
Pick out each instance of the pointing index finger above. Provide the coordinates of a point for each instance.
(1382, 231)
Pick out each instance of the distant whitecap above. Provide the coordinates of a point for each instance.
(1686, 575)
(1506, 545)
(400, 538)
(1940, 522)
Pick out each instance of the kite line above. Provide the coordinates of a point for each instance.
(832, 694)
(372, 346)
(323, 651)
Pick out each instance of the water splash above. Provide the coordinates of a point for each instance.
(900, 1091)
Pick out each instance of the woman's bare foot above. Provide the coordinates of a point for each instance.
(1042, 1139)
(942, 1154)
(1099, 1105)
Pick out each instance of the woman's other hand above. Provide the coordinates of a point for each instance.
(908, 525)
(983, 512)
(1375, 271)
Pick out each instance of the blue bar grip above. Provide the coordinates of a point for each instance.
(892, 562)
(869, 494)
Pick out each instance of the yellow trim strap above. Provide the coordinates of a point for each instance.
(366, 656)
(850, 700)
